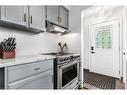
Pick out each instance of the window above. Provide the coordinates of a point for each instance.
(104, 37)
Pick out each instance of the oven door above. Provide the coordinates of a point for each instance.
(68, 74)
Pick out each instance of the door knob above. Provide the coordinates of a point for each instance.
(92, 52)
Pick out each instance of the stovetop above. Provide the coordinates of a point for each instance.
(63, 57)
(58, 54)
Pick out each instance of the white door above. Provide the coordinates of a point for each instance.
(105, 48)
(37, 17)
(14, 14)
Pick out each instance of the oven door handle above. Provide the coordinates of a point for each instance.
(67, 65)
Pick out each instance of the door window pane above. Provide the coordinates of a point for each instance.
(104, 37)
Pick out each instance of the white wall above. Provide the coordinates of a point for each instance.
(29, 43)
(93, 16)
(74, 38)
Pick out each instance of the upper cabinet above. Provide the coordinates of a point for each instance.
(28, 18)
(14, 14)
(33, 18)
(37, 17)
(63, 17)
(57, 15)
(52, 14)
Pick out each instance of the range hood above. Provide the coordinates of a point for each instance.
(53, 28)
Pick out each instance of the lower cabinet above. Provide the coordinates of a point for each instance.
(1, 78)
(41, 81)
(44, 82)
(34, 75)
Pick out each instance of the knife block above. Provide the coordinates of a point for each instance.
(7, 54)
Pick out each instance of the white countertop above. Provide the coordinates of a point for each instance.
(24, 60)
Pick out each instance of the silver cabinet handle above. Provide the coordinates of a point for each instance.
(60, 19)
(24, 17)
(31, 19)
(36, 68)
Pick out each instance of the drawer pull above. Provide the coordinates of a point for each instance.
(37, 69)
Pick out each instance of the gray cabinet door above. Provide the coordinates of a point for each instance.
(37, 17)
(41, 81)
(14, 14)
(63, 18)
(19, 72)
(44, 82)
(52, 14)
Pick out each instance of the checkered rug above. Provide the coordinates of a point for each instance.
(98, 80)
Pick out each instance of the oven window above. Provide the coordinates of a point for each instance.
(68, 74)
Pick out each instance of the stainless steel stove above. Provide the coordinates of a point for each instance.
(66, 70)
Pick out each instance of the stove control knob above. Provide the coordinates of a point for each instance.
(71, 57)
(60, 59)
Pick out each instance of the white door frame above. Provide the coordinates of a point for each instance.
(125, 45)
(120, 43)
(123, 36)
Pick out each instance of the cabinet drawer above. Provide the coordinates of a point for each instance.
(39, 81)
(23, 71)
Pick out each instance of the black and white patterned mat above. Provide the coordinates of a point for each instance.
(98, 80)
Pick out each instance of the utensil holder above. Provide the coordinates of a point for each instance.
(7, 54)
